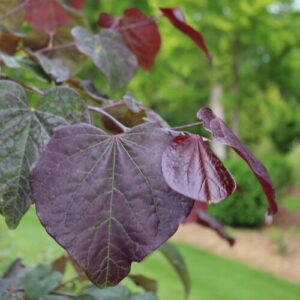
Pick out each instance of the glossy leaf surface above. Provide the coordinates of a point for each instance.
(192, 169)
(104, 199)
(46, 15)
(109, 53)
(172, 254)
(175, 15)
(225, 136)
(24, 131)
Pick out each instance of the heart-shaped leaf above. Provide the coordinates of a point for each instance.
(225, 136)
(192, 169)
(24, 131)
(104, 199)
(109, 53)
(175, 15)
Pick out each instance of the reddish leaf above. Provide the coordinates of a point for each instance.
(141, 36)
(193, 216)
(77, 4)
(192, 169)
(175, 15)
(104, 199)
(107, 21)
(46, 15)
(140, 33)
(225, 136)
(206, 220)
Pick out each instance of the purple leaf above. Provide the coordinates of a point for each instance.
(225, 136)
(192, 169)
(104, 199)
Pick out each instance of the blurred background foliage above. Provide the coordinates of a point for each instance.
(255, 75)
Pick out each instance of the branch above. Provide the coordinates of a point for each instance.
(103, 112)
(14, 10)
(25, 85)
(187, 126)
(53, 48)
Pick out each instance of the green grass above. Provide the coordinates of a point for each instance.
(212, 277)
(292, 203)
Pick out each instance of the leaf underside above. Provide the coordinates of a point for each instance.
(24, 131)
(192, 169)
(103, 197)
(225, 136)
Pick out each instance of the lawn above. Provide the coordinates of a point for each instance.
(213, 277)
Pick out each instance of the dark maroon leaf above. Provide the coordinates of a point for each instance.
(193, 216)
(175, 15)
(206, 220)
(148, 284)
(225, 136)
(103, 197)
(192, 169)
(141, 36)
(46, 15)
(108, 21)
(9, 41)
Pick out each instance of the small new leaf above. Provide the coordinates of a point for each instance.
(225, 136)
(192, 169)
(103, 197)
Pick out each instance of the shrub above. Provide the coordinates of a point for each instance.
(247, 208)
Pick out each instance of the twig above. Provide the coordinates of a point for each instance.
(47, 49)
(69, 281)
(103, 112)
(14, 10)
(187, 126)
(25, 85)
